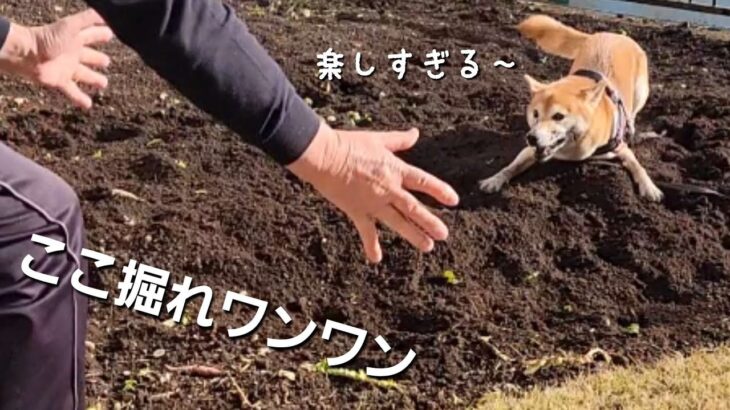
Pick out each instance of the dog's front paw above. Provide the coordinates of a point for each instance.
(493, 184)
(649, 191)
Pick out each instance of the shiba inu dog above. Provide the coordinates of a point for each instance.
(591, 112)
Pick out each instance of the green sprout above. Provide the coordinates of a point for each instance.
(357, 375)
(185, 321)
(129, 385)
(532, 277)
(450, 277)
(633, 329)
(256, 11)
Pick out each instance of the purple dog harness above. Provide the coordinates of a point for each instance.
(622, 130)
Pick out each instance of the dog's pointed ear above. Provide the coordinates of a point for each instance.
(535, 86)
(594, 94)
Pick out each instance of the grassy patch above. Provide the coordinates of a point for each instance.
(700, 381)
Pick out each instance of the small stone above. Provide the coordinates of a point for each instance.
(129, 221)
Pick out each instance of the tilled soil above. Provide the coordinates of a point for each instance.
(566, 259)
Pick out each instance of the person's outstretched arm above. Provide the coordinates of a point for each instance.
(207, 53)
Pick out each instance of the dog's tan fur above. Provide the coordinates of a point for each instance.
(584, 111)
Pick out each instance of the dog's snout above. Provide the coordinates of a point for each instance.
(531, 139)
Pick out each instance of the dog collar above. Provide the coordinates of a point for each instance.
(619, 129)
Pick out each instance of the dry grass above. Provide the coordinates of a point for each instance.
(700, 381)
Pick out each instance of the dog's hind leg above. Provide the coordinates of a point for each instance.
(524, 160)
(641, 88)
(641, 94)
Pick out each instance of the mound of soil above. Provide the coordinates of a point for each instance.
(566, 259)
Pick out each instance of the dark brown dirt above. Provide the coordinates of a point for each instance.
(562, 261)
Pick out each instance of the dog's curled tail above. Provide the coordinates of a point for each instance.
(553, 36)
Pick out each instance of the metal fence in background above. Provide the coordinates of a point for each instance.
(711, 13)
(721, 7)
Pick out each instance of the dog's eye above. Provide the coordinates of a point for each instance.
(558, 116)
(535, 114)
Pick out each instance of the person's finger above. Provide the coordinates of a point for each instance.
(369, 236)
(76, 95)
(416, 179)
(84, 19)
(90, 77)
(96, 35)
(416, 212)
(394, 141)
(394, 220)
(94, 58)
(399, 140)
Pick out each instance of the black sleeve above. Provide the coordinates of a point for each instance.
(208, 54)
(4, 30)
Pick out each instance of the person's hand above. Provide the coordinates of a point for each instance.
(359, 173)
(60, 55)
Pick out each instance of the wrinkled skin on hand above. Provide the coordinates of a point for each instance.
(360, 174)
(60, 55)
